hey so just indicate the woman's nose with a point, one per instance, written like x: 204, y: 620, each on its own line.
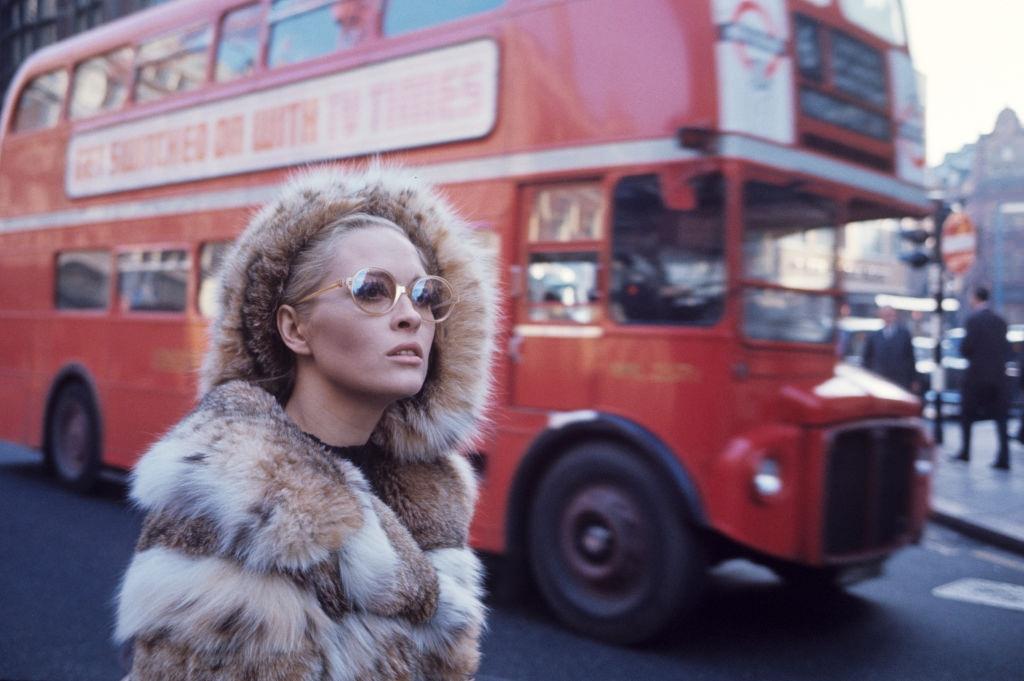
x: 405, y: 315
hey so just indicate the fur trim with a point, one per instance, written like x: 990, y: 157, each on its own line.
x: 240, y: 462
x: 448, y: 411
x: 264, y: 554
x: 210, y: 603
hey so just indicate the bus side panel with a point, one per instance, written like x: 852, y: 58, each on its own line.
x: 149, y: 385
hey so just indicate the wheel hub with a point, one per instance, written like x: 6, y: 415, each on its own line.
x: 603, y: 541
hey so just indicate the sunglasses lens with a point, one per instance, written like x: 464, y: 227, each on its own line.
x: 373, y: 290
x: 433, y: 297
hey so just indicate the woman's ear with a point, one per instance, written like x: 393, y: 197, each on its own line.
x: 292, y: 330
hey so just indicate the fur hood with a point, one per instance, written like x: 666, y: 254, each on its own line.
x: 448, y: 412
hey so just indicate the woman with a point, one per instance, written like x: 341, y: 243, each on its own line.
x: 309, y: 519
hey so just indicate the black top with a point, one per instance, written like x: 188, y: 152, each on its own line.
x: 360, y: 456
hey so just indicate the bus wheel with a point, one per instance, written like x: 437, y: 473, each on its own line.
x: 609, y: 547
x: 72, y: 438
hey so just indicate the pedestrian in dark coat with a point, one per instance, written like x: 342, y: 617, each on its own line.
x: 309, y: 520
x: 985, y: 391
x: 889, y: 351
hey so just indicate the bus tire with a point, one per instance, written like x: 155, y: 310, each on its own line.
x: 609, y: 546
x: 72, y: 449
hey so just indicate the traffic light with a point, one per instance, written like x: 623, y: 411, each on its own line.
x: 926, y: 249
x: 920, y: 255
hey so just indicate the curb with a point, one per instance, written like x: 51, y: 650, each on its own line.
x: 978, y: 531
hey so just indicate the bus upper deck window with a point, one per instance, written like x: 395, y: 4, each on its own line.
x: 41, y: 101
x: 305, y: 29
x: 881, y: 17
x: 172, y: 63
x: 403, y: 16
x: 101, y: 83
x: 239, y: 43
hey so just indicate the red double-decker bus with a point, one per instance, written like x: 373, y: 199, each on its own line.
x: 667, y: 183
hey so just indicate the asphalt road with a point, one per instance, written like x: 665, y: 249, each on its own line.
x: 61, y: 556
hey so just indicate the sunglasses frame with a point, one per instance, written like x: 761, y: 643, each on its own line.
x: 400, y: 290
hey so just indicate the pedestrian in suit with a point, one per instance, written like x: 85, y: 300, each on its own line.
x: 985, y: 391
x: 889, y: 351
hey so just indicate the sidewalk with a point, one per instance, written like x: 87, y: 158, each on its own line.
x: 972, y: 497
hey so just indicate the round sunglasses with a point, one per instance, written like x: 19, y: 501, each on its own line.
x: 376, y: 292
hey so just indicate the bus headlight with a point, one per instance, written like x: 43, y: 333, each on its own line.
x: 768, y: 478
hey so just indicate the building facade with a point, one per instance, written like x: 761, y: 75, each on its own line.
x: 987, y: 179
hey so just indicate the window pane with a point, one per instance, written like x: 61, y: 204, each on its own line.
x: 572, y: 212
x: 101, y: 83
x: 210, y: 258
x: 771, y: 314
x: 668, y: 264
x: 789, y: 237
x: 153, y: 281
x: 239, y: 43
x: 562, y: 287
x: 304, y: 36
x: 881, y: 17
x: 83, y: 280
x: 41, y: 101
x: 402, y: 16
x: 173, y: 63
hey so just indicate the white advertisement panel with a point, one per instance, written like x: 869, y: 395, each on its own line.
x: 755, y: 75
x: 429, y: 98
x: 908, y: 117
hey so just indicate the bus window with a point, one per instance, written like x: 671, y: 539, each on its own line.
x: 40, y: 102
x: 239, y: 43
x: 403, y: 16
x: 83, y: 280
x: 153, y: 281
x: 562, y: 287
x: 172, y: 63
x: 789, y: 242
x: 572, y: 212
x: 305, y: 29
x: 210, y: 257
x: 668, y: 266
x: 881, y: 17
x: 101, y: 83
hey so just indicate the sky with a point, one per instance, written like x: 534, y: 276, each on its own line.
x: 972, y: 55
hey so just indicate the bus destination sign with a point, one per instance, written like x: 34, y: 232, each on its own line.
x: 429, y: 98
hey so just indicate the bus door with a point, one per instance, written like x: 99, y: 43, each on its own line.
x: 557, y: 325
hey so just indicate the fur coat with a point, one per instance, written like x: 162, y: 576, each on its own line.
x: 265, y: 555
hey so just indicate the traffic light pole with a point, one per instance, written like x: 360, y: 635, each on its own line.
x: 940, y: 371
x: 939, y: 214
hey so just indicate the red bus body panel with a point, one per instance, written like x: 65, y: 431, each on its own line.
x: 577, y: 81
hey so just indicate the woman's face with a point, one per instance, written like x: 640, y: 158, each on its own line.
x: 368, y: 357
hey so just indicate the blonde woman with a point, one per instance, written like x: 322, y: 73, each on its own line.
x: 309, y: 519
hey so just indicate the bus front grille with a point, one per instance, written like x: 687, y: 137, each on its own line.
x: 868, y: 489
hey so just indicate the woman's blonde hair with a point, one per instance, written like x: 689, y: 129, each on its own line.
x: 307, y: 271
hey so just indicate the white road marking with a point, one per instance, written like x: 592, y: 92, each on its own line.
x: 939, y: 547
x: 999, y: 559
x: 983, y: 592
